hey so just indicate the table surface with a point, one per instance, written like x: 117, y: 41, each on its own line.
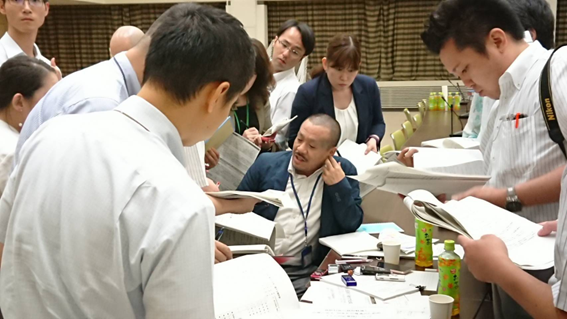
x: 380, y: 206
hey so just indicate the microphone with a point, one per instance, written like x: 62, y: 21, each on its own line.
x: 454, y: 113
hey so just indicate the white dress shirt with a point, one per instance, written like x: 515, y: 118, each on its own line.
x: 8, y: 140
x: 281, y: 100
x: 515, y: 155
x: 9, y: 48
x: 101, y: 87
x: 348, y: 120
x: 291, y: 219
x: 560, y: 288
x: 105, y: 222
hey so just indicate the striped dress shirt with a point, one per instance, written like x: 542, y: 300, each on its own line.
x: 514, y: 155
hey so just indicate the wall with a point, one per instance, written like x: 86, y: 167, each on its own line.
x: 3, y: 25
x: 253, y: 16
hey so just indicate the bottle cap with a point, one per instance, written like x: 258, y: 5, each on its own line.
x: 449, y: 245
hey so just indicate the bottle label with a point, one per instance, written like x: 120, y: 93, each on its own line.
x: 449, y: 278
x: 423, y: 244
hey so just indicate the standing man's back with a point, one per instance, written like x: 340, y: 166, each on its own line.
x: 99, y: 218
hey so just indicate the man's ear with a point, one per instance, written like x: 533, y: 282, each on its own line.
x: 498, y: 38
x: 332, y: 151
x: 46, y: 9
x: 324, y: 63
x: 216, y: 94
x: 3, y: 6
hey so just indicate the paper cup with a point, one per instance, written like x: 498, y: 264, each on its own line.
x: 440, y: 306
x: 391, y: 251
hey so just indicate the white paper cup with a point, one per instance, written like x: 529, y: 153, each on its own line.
x: 440, y: 306
x: 391, y: 251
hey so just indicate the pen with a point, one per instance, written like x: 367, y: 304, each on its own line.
x: 219, y: 233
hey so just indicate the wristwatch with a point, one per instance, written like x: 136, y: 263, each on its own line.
x: 513, y: 203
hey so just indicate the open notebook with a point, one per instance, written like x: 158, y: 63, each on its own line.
x: 474, y: 218
x: 248, y: 229
x: 398, y: 178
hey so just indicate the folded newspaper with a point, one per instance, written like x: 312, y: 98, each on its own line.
x: 274, y: 197
x: 474, y: 218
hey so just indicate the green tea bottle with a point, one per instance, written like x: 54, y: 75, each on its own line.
x: 432, y: 101
x: 449, y: 274
x: 457, y: 101
x: 423, y: 244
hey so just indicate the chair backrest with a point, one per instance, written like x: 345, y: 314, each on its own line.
x: 422, y: 109
x: 399, y: 139
x: 420, y: 104
x: 417, y: 119
x: 409, y: 118
x: 408, y: 128
x: 424, y: 102
x: 385, y: 149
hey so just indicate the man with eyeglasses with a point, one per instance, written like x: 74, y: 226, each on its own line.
x: 294, y: 41
x: 25, y: 17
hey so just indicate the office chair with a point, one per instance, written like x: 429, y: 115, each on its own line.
x: 399, y: 139
x: 408, y: 129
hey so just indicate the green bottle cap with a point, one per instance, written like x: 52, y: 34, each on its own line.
x: 449, y: 245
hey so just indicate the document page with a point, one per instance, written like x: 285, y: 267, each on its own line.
x: 397, y: 178
x: 274, y: 197
x: 450, y: 161
x: 278, y: 126
x: 253, y: 286
x: 453, y: 142
x: 237, y: 154
x: 350, y: 243
x: 525, y: 247
x: 368, y: 285
x: 221, y: 135
x: 355, y: 154
x: 249, y: 223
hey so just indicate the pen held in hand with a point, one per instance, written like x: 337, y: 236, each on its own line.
x: 219, y: 234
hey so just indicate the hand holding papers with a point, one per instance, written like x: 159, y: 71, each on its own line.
x: 473, y: 218
x: 397, y: 178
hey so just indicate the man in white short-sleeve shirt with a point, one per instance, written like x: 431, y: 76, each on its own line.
x: 99, y: 218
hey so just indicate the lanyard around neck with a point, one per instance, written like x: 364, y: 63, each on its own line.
x: 306, y: 213
x: 237, y: 120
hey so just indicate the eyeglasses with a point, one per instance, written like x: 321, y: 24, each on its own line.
x: 32, y: 3
x: 288, y: 47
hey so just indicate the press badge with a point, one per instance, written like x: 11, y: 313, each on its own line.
x: 306, y: 256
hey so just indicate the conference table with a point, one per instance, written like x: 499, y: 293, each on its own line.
x: 380, y: 206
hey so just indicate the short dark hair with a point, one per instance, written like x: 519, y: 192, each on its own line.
x: 536, y: 15
x: 468, y: 23
x: 325, y: 120
x: 259, y: 93
x: 307, y: 35
x: 196, y: 45
x: 21, y: 74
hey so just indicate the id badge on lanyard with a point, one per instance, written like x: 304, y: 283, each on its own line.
x: 307, y: 251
